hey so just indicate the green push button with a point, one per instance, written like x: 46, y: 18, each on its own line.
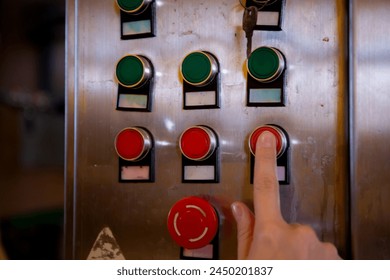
x: 197, y: 68
x: 130, y: 71
x: 265, y: 64
x: 130, y: 5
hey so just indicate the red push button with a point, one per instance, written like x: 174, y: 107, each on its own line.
x: 281, y: 139
x: 133, y: 143
x: 192, y: 222
x: 198, y: 142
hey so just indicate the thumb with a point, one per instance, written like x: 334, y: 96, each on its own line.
x: 245, y: 223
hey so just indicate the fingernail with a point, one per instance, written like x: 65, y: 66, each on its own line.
x: 236, y: 210
x: 266, y: 139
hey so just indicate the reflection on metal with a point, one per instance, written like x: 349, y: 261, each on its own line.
x: 315, y: 116
x: 105, y: 247
x: 370, y: 190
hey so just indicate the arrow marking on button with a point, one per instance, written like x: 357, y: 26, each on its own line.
x: 197, y: 208
x: 175, y: 224
x: 200, y: 236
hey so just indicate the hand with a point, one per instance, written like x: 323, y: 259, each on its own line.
x: 268, y: 235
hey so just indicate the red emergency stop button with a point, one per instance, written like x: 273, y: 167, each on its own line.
x: 192, y: 222
x: 280, y: 135
x: 133, y: 143
x: 198, y: 142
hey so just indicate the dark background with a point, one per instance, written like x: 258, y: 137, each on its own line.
x: 32, y: 98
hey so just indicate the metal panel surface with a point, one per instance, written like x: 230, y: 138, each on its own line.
x: 315, y: 118
x: 370, y: 190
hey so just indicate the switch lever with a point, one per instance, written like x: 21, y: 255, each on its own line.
x: 249, y: 22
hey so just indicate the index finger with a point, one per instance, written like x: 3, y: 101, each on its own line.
x: 265, y: 184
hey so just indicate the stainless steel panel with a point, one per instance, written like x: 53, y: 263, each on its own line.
x: 370, y: 190
x: 315, y: 117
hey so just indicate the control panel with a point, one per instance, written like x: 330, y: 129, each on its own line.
x: 266, y: 77
x: 137, y: 18
x: 282, y: 153
x: 134, y: 74
x: 166, y: 100
x: 201, y: 81
x: 193, y: 224
x: 199, y: 147
x: 134, y: 146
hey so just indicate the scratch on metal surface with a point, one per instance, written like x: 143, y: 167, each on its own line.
x: 325, y: 161
x: 319, y: 165
x: 189, y: 33
x: 106, y: 247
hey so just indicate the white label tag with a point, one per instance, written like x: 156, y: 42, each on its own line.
x: 281, y: 172
x: 135, y: 173
x: 136, y: 27
x: 268, y: 18
x: 205, y: 252
x: 135, y: 101
x: 265, y: 95
x: 199, y: 172
x: 201, y: 98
